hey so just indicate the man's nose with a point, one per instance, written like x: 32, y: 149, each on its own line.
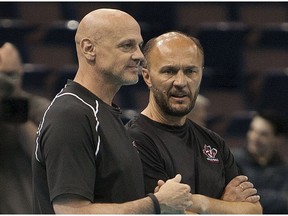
x: 254, y: 136
x: 180, y: 79
x: 138, y: 55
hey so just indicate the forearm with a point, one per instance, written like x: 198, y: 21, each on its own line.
x: 206, y: 205
x: 141, y: 206
x: 172, y: 197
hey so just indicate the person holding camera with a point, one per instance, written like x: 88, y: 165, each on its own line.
x: 20, y: 114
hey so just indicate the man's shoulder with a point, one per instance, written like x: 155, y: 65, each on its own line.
x: 201, y: 131
x: 142, y: 129
x: 67, y: 105
x: 135, y: 123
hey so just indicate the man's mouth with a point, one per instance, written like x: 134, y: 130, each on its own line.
x: 133, y: 67
x: 182, y: 95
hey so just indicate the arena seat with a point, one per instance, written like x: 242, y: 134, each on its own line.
x: 239, y: 124
x: 274, y: 35
x: 36, y: 78
x: 223, y: 48
x: 60, y: 32
x: 274, y: 91
x: 16, y: 31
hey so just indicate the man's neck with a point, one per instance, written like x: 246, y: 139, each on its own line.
x: 158, y: 116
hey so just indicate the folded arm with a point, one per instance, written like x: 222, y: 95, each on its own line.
x: 206, y: 205
x: 74, y: 204
x: 239, y: 197
x: 173, y: 197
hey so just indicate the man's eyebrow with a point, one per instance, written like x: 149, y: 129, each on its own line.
x: 128, y: 41
x: 132, y: 41
x: 174, y: 67
x: 191, y: 67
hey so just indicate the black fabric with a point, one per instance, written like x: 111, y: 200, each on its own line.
x: 198, y: 154
x: 84, y: 149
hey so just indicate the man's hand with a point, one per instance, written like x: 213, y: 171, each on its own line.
x: 240, y: 189
x: 173, y: 196
x: 160, y: 183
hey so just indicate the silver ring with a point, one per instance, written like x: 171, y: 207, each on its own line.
x: 241, y: 186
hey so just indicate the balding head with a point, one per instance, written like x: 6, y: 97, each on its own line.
x: 170, y: 39
x: 108, y: 43
x: 103, y: 24
x: 173, y: 73
x: 98, y: 23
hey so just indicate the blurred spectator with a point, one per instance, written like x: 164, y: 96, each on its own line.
x: 262, y: 163
x: 20, y: 114
x: 199, y: 113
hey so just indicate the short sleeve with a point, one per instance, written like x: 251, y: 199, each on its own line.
x: 69, y: 152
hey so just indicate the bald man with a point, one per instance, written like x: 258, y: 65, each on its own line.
x: 84, y: 160
x: 168, y: 142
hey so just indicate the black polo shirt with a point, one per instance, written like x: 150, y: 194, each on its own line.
x: 198, y: 154
x: 82, y: 148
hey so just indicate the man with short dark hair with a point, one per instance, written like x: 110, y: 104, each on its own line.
x: 168, y: 142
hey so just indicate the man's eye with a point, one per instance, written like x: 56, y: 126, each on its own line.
x: 191, y: 70
x: 127, y: 46
x: 168, y: 71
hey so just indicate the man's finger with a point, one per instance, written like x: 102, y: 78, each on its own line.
x: 177, y: 178
x: 238, y: 180
x: 253, y: 199
x: 160, y: 183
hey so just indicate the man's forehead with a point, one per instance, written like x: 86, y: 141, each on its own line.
x: 171, y: 37
x: 171, y: 44
x: 107, y: 23
x: 175, y: 48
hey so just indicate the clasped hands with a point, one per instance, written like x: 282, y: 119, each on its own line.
x: 239, y: 189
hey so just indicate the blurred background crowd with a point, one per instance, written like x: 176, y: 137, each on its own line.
x: 245, y: 45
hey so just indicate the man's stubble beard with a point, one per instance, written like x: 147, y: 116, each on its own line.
x: 162, y: 101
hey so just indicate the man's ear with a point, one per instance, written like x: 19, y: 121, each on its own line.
x: 88, y: 49
x: 146, y: 77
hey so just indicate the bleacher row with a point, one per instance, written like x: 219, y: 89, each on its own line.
x: 245, y: 44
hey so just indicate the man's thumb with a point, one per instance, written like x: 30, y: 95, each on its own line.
x: 177, y: 178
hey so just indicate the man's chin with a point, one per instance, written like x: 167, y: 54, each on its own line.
x: 131, y: 81
x: 179, y: 112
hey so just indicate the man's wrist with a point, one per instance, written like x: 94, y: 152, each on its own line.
x: 156, y: 204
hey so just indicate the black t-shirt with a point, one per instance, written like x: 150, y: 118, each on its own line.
x: 198, y: 154
x: 82, y: 148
